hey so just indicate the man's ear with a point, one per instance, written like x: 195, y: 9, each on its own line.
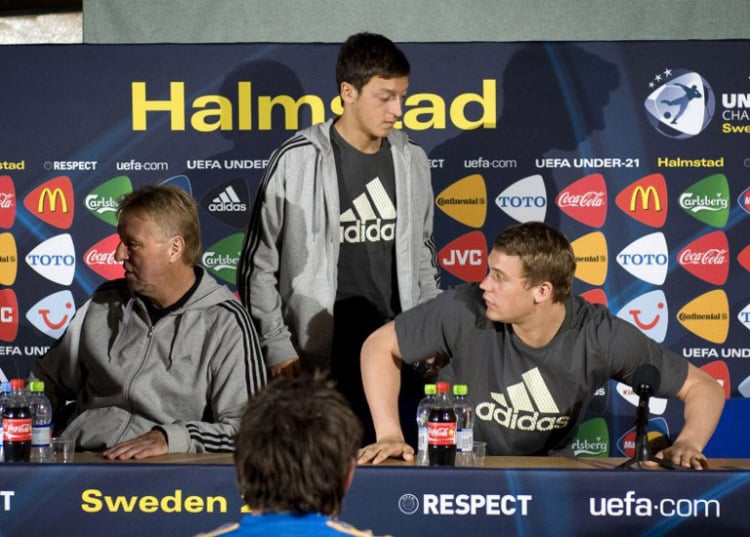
x: 176, y: 247
x: 544, y: 292
x: 348, y: 93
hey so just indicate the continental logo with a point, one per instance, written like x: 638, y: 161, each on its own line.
x: 466, y: 257
x: 242, y: 111
x: 7, y: 202
x: 645, y: 200
x: 465, y: 201
x: 591, y: 256
x: 52, y: 202
x: 649, y: 313
x: 8, y: 259
x: 707, y: 316
x: 585, y: 200
x: 708, y: 200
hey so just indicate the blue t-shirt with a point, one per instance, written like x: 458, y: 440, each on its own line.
x: 287, y: 525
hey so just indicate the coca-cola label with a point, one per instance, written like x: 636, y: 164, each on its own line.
x: 585, y: 200
x: 101, y: 258
x: 441, y: 433
x: 17, y: 429
x: 707, y: 258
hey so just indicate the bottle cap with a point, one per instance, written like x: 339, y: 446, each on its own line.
x: 443, y: 387
x: 460, y: 389
x: 36, y: 386
x: 17, y: 384
x: 5, y: 386
x: 430, y: 389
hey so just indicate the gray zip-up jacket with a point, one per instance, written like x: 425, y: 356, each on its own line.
x: 287, y: 274
x: 190, y: 374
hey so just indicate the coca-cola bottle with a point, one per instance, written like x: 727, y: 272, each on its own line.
x: 4, y: 396
x: 17, y: 424
x: 441, y: 429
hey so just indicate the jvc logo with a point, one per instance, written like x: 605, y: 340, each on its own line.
x: 466, y: 257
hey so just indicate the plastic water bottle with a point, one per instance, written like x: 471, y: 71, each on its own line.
x: 41, y: 423
x: 465, y: 426
x: 17, y: 424
x: 441, y: 428
x: 4, y: 396
x: 423, y: 414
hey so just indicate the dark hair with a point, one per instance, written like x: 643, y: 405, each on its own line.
x: 295, y: 448
x: 365, y: 55
x: 545, y: 253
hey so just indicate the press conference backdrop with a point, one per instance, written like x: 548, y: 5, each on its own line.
x: 637, y: 151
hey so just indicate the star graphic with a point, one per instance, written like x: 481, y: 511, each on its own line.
x: 667, y: 72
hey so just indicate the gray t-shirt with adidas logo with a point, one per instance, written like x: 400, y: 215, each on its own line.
x: 529, y: 401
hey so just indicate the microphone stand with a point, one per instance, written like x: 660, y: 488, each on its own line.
x: 642, y: 449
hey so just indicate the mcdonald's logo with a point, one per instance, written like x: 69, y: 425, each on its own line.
x: 53, y: 202
x: 644, y: 194
x: 645, y: 200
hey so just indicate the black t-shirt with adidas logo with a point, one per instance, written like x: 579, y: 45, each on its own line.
x: 530, y: 401
x: 367, y: 196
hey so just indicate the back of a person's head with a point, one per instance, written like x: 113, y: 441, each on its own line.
x: 297, y: 442
x: 366, y: 55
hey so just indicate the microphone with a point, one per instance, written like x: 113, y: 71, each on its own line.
x: 646, y: 381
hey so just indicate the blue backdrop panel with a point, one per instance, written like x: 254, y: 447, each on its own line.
x: 636, y: 150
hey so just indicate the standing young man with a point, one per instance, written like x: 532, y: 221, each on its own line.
x: 340, y: 239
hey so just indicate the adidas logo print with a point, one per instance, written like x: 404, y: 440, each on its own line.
x: 227, y: 200
x: 372, y: 219
x: 529, y: 406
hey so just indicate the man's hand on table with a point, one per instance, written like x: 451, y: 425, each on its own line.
x: 151, y: 444
x: 385, y: 448
x: 683, y: 454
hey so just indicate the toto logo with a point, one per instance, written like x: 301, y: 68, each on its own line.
x: 408, y: 504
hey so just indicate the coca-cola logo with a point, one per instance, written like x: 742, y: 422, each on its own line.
x: 17, y: 430
x: 6, y: 200
x: 101, y: 258
x: 707, y: 258
x: 95, y: 257
x: 587, y: 199
x: 712, y: 256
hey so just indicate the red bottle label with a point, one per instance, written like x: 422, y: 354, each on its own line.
x: 441, y: 433
x: 17, y: 430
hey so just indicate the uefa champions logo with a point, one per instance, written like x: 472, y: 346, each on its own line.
x: 681, y: 104
x: 408, y: 504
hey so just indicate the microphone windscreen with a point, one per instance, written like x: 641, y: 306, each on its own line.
x: 646, y: 378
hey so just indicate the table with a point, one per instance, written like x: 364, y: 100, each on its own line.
x: 182, y: 494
